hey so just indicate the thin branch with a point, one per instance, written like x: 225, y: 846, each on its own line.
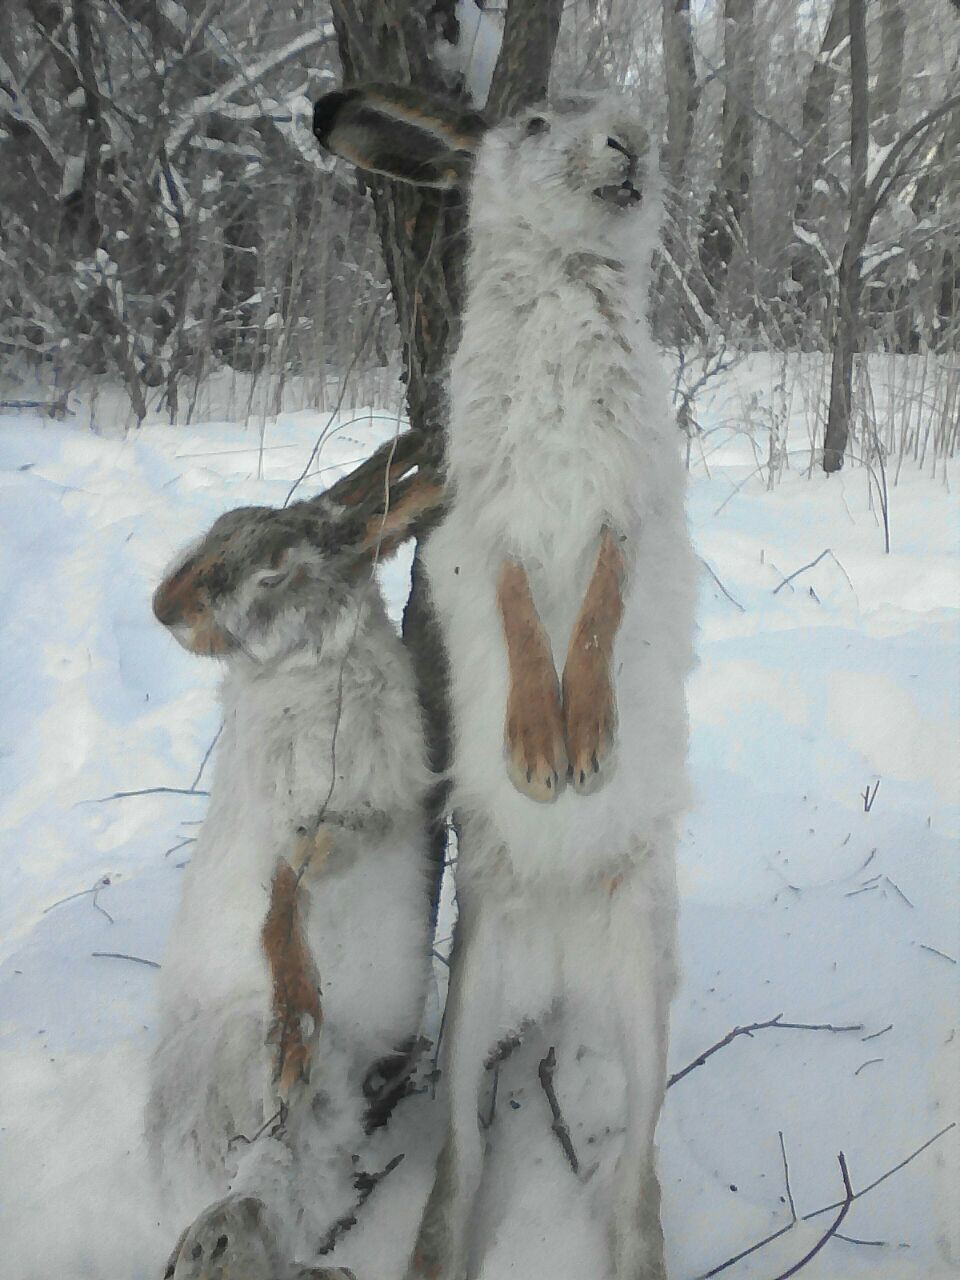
x: 121, y: 955
x: 828, y: 1208
x: 831, y: 1231
x: 546, y: 1072
x: 889, y: 172
x: 103, y: 883
x: 786, y: 1176
x: 802, y: 569
x: 869, y: 1062
x: 246, y: 79
x: 207, y: 755
x: 148, y: 791
x: 933, y: 951
x: 884, y: 1176
x: 366, y: 1184
x: 344, y: 383
x: 175, y: 848
x: 721, y: 586
x: 776, y: 1022
x: 876, y: 1034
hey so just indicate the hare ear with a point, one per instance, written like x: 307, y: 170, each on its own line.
x: 400, y: 132
x: 410, y: 501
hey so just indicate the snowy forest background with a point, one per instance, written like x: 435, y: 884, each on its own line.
x: 167, y: 214
x: 199, y: 310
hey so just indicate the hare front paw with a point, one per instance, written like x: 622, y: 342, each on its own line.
x: 233, y: 1239
x: 533, y: 738
x: 590, y: 718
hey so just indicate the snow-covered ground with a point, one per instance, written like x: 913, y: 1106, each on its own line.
x: 799, y: 896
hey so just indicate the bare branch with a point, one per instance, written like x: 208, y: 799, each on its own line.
x: 121, y: 955
x: 812, y: 1253
x: 786, y: 1176
x: 148, y: 791
x: 247, y: 78
x: 546, y: 1072
x: 748, y: 1031
x: 206, y: 757
x: 828, y: 1208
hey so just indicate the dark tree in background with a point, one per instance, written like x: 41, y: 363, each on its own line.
x: 423, y: 239
x: 165, y: 214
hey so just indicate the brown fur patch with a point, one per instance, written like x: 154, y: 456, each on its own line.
x: 589, y: 702
x: 409, y: 502
x: 297, y: 1012
x: 533, y: 728
x: 179, y: 602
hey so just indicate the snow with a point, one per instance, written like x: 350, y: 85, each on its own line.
x: 796, y: 897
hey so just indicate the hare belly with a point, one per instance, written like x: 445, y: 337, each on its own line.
x: 367, y: 929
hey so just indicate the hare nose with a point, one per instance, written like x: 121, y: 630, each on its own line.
x: 173, y: 598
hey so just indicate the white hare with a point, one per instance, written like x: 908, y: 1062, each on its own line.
x: 566, y: 539
x: 299, y: 954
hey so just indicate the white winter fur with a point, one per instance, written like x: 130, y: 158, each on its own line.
x: 561, y: 424
x: 320, y: 713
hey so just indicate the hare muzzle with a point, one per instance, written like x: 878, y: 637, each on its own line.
x: 179, y: 604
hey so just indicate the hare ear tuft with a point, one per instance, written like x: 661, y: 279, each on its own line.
x: 400, y: 132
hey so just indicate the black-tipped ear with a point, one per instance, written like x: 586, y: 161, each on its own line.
x: 411, y: 501
x: 400, y: 132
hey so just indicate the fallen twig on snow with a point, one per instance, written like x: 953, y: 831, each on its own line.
x: 877, y: 1034
x: 103, y: 883
x: 869, y: 1062
x: 122, y: 955
x: 748, y: 1031
x: 813, y: 563
x: 831, y: 1231
x: 786, y: 1176
x: 546, y: 1071
x: 366, y: 1184
x: 933, y: 951
x: 148, y: 791
x: 721, y: 586
x: 827, y: 1208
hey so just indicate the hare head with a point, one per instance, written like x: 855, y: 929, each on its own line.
x: 265, y: 581
x: 586, y: 158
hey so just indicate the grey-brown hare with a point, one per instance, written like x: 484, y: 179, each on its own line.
x: 299, y: 956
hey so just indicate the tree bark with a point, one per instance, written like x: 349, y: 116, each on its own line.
x: 423, y: 236
x: 885, y: 100
x: 725, y: 220
x: 847, y: 336
x: 807, y: 267
x: 683, y: 92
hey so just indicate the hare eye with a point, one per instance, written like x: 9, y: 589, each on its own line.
x: 537, y: 125
x: 271, y: 579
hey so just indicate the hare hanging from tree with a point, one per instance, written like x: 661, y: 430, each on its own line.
x: 566, y: 539
x: 299, y: 955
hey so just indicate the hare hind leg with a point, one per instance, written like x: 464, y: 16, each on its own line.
x: 642, y: 967
x: 533, y: 729
x: 442, y: 1248
x: 589, y: 702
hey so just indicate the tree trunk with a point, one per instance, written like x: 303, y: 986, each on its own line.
x: 847, y: 336
x: 683, y: 101
x: 885, y: 100
x: 807, y: 268
x: 725, y: 220
x: 423, y: 235
x: 683, y: 92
